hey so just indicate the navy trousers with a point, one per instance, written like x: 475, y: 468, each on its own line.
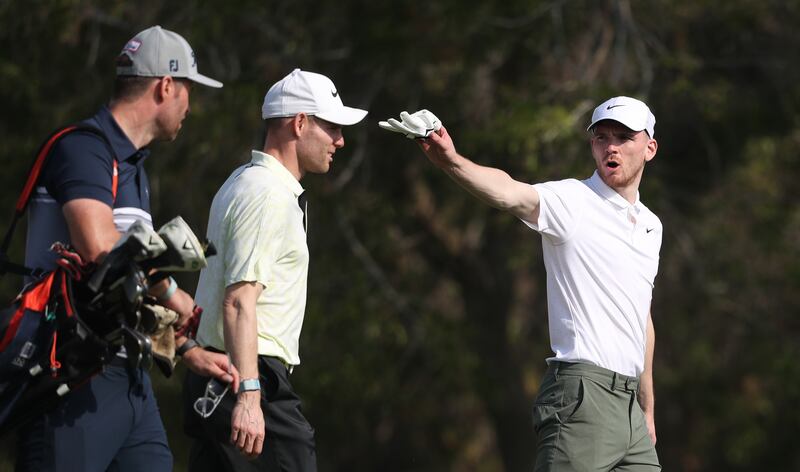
x: 111, y: 424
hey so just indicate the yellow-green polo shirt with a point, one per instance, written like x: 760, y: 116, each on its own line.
x: 256, y: 224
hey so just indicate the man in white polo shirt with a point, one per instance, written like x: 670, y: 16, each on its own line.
x: 254, y: 291
x: 595, y: 408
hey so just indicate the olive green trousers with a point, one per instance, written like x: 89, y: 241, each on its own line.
x: 588, y: 419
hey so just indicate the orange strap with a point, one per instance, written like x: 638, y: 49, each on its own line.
x: 54, y: 363
x: 114, y: 181
x: 35, y: 299
x: 33, y: 176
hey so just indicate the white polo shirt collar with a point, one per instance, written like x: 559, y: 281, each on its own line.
x: 268, y: 161
x: 611, y: 195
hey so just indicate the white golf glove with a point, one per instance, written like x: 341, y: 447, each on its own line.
x: 417, y: 125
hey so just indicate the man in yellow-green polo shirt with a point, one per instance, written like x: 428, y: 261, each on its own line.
x: 254, y: 290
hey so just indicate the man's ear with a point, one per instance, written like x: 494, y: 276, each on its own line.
x: 652, y: 148
x: 164, y: 88
x: 300, y: 123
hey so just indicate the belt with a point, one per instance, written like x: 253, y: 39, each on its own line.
x: 609, y: 378
x: 289, y: 367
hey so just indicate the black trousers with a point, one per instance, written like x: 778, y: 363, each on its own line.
x: 289, y: 440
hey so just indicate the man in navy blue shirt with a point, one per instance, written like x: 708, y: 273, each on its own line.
x: 113, y: 423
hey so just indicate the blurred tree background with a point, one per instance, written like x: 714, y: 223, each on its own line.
x: 425, y: 336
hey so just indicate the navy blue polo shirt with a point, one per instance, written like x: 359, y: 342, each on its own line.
x: 81, y: 166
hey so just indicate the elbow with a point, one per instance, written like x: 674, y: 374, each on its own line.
x: 231, y: 308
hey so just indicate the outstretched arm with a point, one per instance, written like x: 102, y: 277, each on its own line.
x: 647, y: 399
x: 492, y: 186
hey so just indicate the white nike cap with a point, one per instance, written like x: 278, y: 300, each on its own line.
x: 630, y: 112
x: 309, y: 93
x: 156, y: 52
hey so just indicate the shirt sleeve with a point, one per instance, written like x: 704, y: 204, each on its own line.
x: 80, y: 166
x: 255, y: 230
x: 560, y: 209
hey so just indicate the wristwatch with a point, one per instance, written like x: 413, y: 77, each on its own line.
x: 183, y: 348
x: 249, y: 385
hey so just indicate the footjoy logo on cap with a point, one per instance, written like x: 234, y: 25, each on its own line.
x: 132, y: 46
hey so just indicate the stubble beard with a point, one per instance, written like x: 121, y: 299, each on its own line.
x: 622, y: 180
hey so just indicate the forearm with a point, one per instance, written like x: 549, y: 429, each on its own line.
x: 241, y: 335
x: 494, y: 187
x: 646, y: 391
x: 647, y: 398
x: 178, y: 301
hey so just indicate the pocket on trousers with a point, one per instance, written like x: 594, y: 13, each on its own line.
x: 557, y: 402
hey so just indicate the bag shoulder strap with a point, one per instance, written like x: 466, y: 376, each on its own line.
x: 35, y: 172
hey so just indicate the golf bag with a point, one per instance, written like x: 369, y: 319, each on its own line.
x: 67, y: 325
x: 46, y: 349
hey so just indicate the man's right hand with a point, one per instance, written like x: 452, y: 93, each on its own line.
x: 439, y: 148
x: 247, y: 424
x: 212, y: 364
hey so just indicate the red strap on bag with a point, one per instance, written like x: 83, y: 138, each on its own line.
x: 35, y: 299
x: 30, y: 184
x: 36, y: 169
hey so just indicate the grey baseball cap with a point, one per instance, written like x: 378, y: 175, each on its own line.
x: 156, y: 52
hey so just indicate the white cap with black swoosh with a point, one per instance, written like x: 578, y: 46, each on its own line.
x: 310, y: 93
x: 632, y: 113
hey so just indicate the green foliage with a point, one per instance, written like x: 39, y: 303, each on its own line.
x: 426, y: 327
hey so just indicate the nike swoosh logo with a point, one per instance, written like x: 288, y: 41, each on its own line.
x: 650, y: 229
x: 613, y: 106
x: 334, y: 93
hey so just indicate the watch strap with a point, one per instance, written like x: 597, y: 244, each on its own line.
x: 249, y: 385
x: 188, y: 344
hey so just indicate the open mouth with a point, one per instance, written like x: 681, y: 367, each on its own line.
x: 612, y: 164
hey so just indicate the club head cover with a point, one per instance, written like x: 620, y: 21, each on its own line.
x: 138, y: 244
x: 142, y: 241
x: 184, y: 251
